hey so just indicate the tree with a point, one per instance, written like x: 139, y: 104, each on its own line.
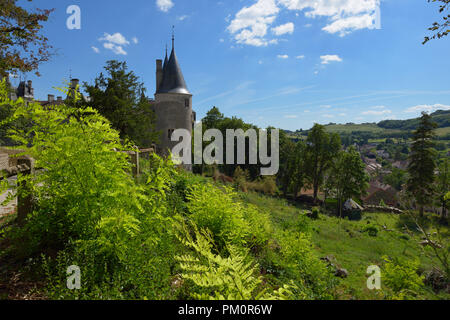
x: 396, y: 179
x: 120, y: 97
x: 22, y: 45
x: 422, y: 163
x: 347, y: 176
x: 443, y: 185
x: 213, y: 119
x: 321, y: 148
x: 441, y: 29
x: 299, y: 172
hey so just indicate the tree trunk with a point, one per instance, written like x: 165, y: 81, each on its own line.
x: 316, y: 190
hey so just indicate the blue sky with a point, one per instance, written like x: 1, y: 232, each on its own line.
x: 285, y: 63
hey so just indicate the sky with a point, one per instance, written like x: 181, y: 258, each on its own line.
x: 282, y: 63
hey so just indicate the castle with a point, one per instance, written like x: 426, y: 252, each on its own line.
x: 173, y: 101
x: 172, y: 104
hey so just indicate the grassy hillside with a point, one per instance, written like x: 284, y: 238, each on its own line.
x: 354, y: 249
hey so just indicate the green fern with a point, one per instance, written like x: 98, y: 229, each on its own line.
x: 219, y: 278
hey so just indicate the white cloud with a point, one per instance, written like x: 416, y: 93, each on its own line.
x: 330, y: 58
x: 164, y: 5
x: 326, y: 107
x: 96, y: 50
x: 377, y: 113
x: 115, y: 42
x: 427, y: 108
x: 291, y: 116
x: 135, y: 40
x: 300, y: 57
x: 282, y: 56
x: 116, y: 38
x: 182, y: 18
x: 345, y: 26
x: 287, y: 28
x: 115, y: 48
x: 250, y: 24
x: 329, y: 116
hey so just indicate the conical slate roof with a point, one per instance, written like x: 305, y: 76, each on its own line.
x: 173, y: 80
x: 166, y: 61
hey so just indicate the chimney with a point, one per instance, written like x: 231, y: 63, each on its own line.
x: 51, y: 98
x: 159, y: 74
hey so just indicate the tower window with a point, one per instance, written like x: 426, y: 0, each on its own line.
x: 186, y: 103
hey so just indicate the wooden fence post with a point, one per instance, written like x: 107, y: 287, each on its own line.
x: 135, y: 162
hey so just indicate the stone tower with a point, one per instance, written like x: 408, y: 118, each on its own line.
x: 173, y: 102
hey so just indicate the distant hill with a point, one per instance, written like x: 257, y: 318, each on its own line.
x: 386, y: 127
x: 442, y: 118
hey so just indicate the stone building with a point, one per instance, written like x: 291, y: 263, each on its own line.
x: 173, y: 102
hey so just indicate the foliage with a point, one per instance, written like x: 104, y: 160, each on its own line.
x: 304, y: 265
x: 442, y: 187
x: 422, y: 163
x: 321, y: 148
x: 397, y: 178
x: 120, y: 97
x: 400, y: 275
x: 371, y: 230
x: 441, y: 29
x: 347, y: 177
x: 315, y: 213
x: 219, y: 278
x: 22, y: 45
x: 227, y: 219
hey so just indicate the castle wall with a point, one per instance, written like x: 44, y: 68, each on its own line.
x: 172, y: 112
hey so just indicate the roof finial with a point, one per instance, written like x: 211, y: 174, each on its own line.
x: 173, y: 37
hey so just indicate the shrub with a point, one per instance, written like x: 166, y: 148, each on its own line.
x: 371, y: 230
x: 314, y: 213
x: 305, y: 266
x: 218, y: 278
x: 215, y: 209
x: 400, y: 275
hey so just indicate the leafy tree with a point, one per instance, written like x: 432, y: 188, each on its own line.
x: 213, y: 119
x: 443, y: 185
x: 348, y: 176
x: 441, y: 29
x: 22, y: 45
x: 321, y: 149
x: 422, y: 163
x: 396, y: 179
x: 120, y: 97
x: 299, y: 172
x: 286, y: 162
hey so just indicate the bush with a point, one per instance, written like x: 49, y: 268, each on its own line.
x: 215, y: 210
x: 314, y: 213
x: 217, y: 278
x: 305, y: 266
x: 371, y: 230
x: 400, y: 275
